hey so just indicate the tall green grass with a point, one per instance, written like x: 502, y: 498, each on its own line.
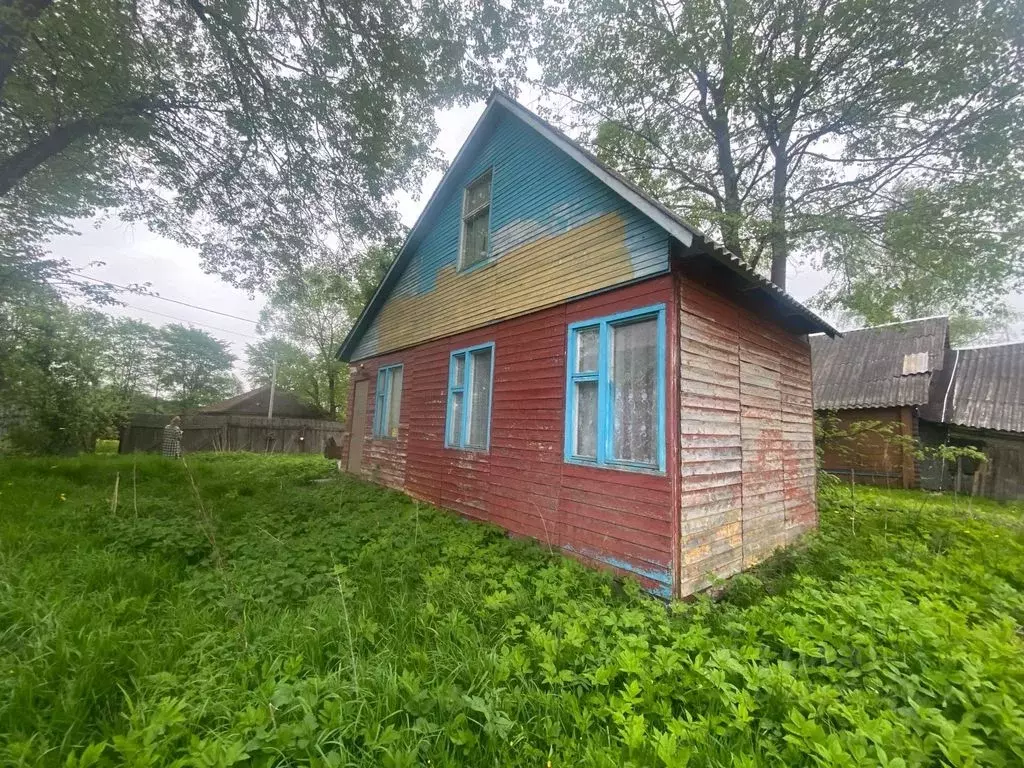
x: 233, y: 611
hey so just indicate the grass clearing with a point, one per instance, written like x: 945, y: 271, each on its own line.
x: 249, y: 615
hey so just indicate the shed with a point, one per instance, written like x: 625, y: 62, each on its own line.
x: 556, y: 352
x: 905, y: 378
x: 880, y: 375
x: 978, y: 399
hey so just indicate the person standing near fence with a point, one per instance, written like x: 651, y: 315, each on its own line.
x: 172, y: 439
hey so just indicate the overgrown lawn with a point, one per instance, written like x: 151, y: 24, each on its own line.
x: 246, y: 614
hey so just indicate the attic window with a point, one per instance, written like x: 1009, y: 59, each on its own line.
x: 476, y: 221
x: 915, y: 362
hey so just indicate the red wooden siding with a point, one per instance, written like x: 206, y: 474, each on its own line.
x: 620, y: 519
x: 746, y: 442
x: 383, y: 458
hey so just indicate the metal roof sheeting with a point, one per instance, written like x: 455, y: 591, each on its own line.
x: 981, y: 387
x: 865, y: 368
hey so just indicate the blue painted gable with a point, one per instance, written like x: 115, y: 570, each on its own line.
x: 556, y: 232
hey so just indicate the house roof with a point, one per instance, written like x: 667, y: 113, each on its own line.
x: 695, y: 245
x: 256, y: 401
x: 881, y: 366
x: 980, y: 387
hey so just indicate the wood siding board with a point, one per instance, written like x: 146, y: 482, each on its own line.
x: 556, y: 233
x: 746, y: 435
x: 620, y: 519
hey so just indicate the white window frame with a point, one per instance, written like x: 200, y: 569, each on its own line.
x: 465, y: 215
x: 382, y: 401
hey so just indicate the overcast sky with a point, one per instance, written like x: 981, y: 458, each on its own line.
x: 133, y: 254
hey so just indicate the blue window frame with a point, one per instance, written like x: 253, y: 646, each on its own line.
x: 387, y: 401
x: 470, y: 386
x: 615, y: 391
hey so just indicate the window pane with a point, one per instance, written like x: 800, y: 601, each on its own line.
x: 474, y: 239
x: 634, y: 384
x: 395, y: 403
x: 586, y: 419
x: 455, y: 420
x: 478, y: 193
x: 378, y: 411
x: 480, y: 406
x: 586, y: 349
x: 458, y: 372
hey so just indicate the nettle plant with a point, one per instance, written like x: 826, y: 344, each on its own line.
x: 845, y: 441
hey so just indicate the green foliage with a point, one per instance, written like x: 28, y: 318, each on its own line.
x: 289, y: 622
x: 297, y: 370
x: 261, y: 133
x: 129, y: 356
x: 880, y: 139
x: 50, y: 377
x: 193, y: 366
x: 939, y: 250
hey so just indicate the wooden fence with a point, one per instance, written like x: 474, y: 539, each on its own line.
x: 222, y: 432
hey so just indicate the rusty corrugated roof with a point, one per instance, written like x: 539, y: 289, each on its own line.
x: 865, y: 368
x: 980, y: 387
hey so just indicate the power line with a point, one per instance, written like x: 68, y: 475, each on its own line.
x: 191, y: 322
x: 162, y: 298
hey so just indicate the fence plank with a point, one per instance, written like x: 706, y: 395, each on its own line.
x: 229, y: 432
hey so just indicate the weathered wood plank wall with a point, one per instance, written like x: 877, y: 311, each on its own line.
x: 746, y: 436
x: 870, y: 456
x: 222, y: 432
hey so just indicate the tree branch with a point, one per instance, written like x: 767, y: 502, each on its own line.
x: 27, y: 159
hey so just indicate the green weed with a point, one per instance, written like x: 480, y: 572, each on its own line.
x: 259, y: 618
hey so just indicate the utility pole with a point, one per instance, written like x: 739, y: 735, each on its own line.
x: 273, y: 387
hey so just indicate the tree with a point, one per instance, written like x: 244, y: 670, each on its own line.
x: 312, y: 310
x: 128, y: 356
x: 50, y: 379
x: 258, y: 132
x: 937, y: 253
x: 790, y: 126
x: 193, y: 365
x: 367, y: 272
x: 298, y: 371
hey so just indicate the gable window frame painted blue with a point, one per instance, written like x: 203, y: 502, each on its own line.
x: 466, y: 388
x: 382, y: 400
x: 460, y: 262
x: 602, y: 375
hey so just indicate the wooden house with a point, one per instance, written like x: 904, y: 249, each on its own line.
x: 977, y: 399
x: 256, y: 402
x: 555, y: 352
x: 880, y: 375
x: 914, y: 391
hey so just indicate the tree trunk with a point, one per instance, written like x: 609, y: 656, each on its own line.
x: 15, y: 18
x: 731, y: 224
x: 777, y: 236
x: 331, y: 401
